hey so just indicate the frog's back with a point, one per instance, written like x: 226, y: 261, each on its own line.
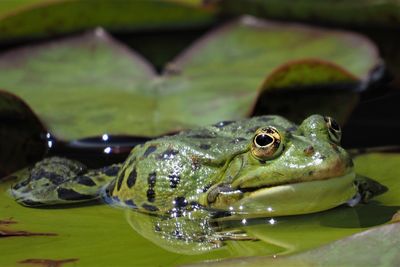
x: 173, y: 171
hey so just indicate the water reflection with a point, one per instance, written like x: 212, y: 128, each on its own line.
x: 191, y: 233
x: 201, y: 231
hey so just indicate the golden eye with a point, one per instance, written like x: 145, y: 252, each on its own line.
x: 266, y: 143
x: 335, y: 133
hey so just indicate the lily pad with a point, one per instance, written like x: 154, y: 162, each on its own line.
x: 99, y: 235
x: 90, y: 84
x: 22, y: 135
x: 375, y: 247
x: 310, y: 85
x: 384, y: 13
x: 39, y: 18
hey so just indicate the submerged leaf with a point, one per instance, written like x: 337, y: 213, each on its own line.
x: 90, y: 84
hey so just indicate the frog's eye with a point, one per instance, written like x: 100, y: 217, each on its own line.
x: 335, y: 133
x: 266, y: 143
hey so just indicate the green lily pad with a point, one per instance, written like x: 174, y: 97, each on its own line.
x: 317, y: 72
x: 384, y: 13
x: 39, y: 18
x: 310, y: 86
x: 90, y: 84
x: 100, y: 235
x: 374, y: 247
x: 21, y: 135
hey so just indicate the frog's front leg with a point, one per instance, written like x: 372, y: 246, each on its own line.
x: 220, y: 196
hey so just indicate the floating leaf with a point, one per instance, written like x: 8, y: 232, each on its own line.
x: 311, y: 84
x: 376, y: 247
x: 39, y: 18
x: 90, y: 84
x: 305, y: 73
x: 21, y: 135
x: 361, y: 13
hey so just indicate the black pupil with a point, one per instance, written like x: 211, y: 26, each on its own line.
x: 335, y: 126
x: 263, y: 140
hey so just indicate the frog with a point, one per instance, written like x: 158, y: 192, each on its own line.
x: 255, y: 167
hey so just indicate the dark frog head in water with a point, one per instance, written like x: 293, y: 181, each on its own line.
x: 263, y: 166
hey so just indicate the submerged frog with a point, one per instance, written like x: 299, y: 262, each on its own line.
x: 263, y: 166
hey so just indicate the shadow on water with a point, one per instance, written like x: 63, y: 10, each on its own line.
x: 365, y: 215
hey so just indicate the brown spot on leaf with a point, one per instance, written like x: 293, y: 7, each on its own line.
x: 6, y: 232
x: 47, y: 262
x: 16, y: 233
x: 7, y: 221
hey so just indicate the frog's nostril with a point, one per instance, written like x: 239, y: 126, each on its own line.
x: 308, y: 151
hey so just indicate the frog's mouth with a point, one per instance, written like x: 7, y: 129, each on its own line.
x: 289, y: 199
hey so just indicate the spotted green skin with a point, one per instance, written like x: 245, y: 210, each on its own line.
x: 205, y: 168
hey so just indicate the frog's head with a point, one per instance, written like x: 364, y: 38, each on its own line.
x: 287, y: 171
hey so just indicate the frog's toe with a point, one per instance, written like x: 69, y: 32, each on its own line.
x: 234, y: 235
x: 354, y: 200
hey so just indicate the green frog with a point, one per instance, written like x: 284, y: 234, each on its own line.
x: 257, y: 167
